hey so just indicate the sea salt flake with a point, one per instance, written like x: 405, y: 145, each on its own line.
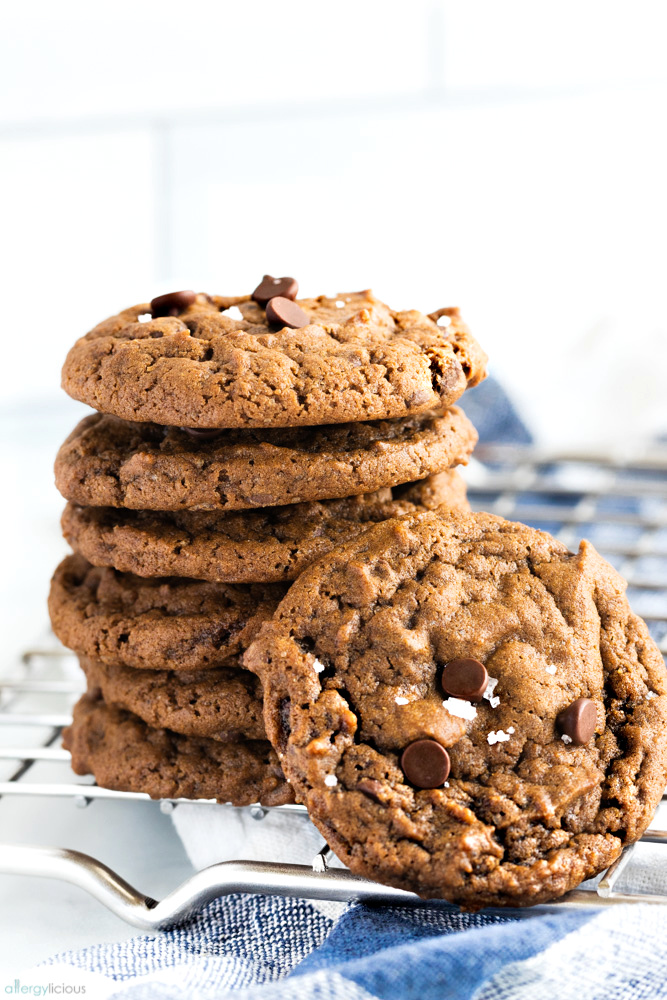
x: 331, y: 780
x: 551, y: 669
x: 318, y: 666
x: 497, y: 737
x: 460, y: 708
x: 651, y: 694
x: 340, y: 304
x: 445, y: 321
x: 566, y: 739
x: 488, y: 694
x: 144, y: 318
x: 400, y: 700
x: 233, y: 312
x: 446, y: 784
x: 511, y: 729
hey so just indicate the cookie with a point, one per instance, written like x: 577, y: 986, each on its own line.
x: 223, y: 704
x: 269, y: 544
x: 155, y: 624
x: 505, y: 779
x: 107, y: 462
x: 125, y: 754
x: 355, y: 360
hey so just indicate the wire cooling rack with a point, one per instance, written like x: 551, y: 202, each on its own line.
x: 620, y: 505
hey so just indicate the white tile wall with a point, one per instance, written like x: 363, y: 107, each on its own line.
x: 507, y: 157
x: 78, y: 237
x: 79, y: 59
x: 541, y: 218
x: 521, y: 46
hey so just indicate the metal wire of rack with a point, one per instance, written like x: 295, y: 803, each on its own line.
x: 620, y: 505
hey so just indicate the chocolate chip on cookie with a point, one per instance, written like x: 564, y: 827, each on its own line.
x: 464, y: 678
x: 172, y: 304
x: 269, y: 287
x: 353, y: 359
x: 371, y: 788
x: 425, y: 764
x: 578, y: 721
x: 281, y: 312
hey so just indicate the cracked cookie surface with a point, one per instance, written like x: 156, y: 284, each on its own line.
x: 201, y: 368
x: 352, y: 666
x: 155, y: 624
x: 106, y: 462
x: 125, y: 754
x: 269, y: 544
x: 223, y: 704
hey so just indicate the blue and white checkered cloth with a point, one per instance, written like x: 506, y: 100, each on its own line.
x: 285, y: 949
x: 288, y: 949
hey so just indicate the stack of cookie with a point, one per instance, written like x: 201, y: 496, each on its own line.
x: 236, y: 441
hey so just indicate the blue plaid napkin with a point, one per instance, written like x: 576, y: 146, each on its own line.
x: 289, y: 949
x: 285, y: 949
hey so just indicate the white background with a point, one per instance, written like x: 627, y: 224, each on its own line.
x: 506, y: 157
x: 509, y: 158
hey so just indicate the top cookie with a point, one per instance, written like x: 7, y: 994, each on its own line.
x: 467, y: 709
x: 196, y: 366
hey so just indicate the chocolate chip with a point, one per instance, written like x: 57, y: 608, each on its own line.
x: 425, y: 764
x: 269, y: 287
x: 464, y: 678
x: 202, y: 433
x: 371, y: 788
x: 419, y: 398
x: 283, y: 312
x: 578, y: 721
x: 172, y: 303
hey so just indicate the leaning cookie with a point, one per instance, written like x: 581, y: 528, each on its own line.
x: 224, y: 704
x: 156, y: 624
x: 467, y: 709
x: 125, y: 754
x: 351, y: 358
x: 107, y: 462
x: 265, y: 545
